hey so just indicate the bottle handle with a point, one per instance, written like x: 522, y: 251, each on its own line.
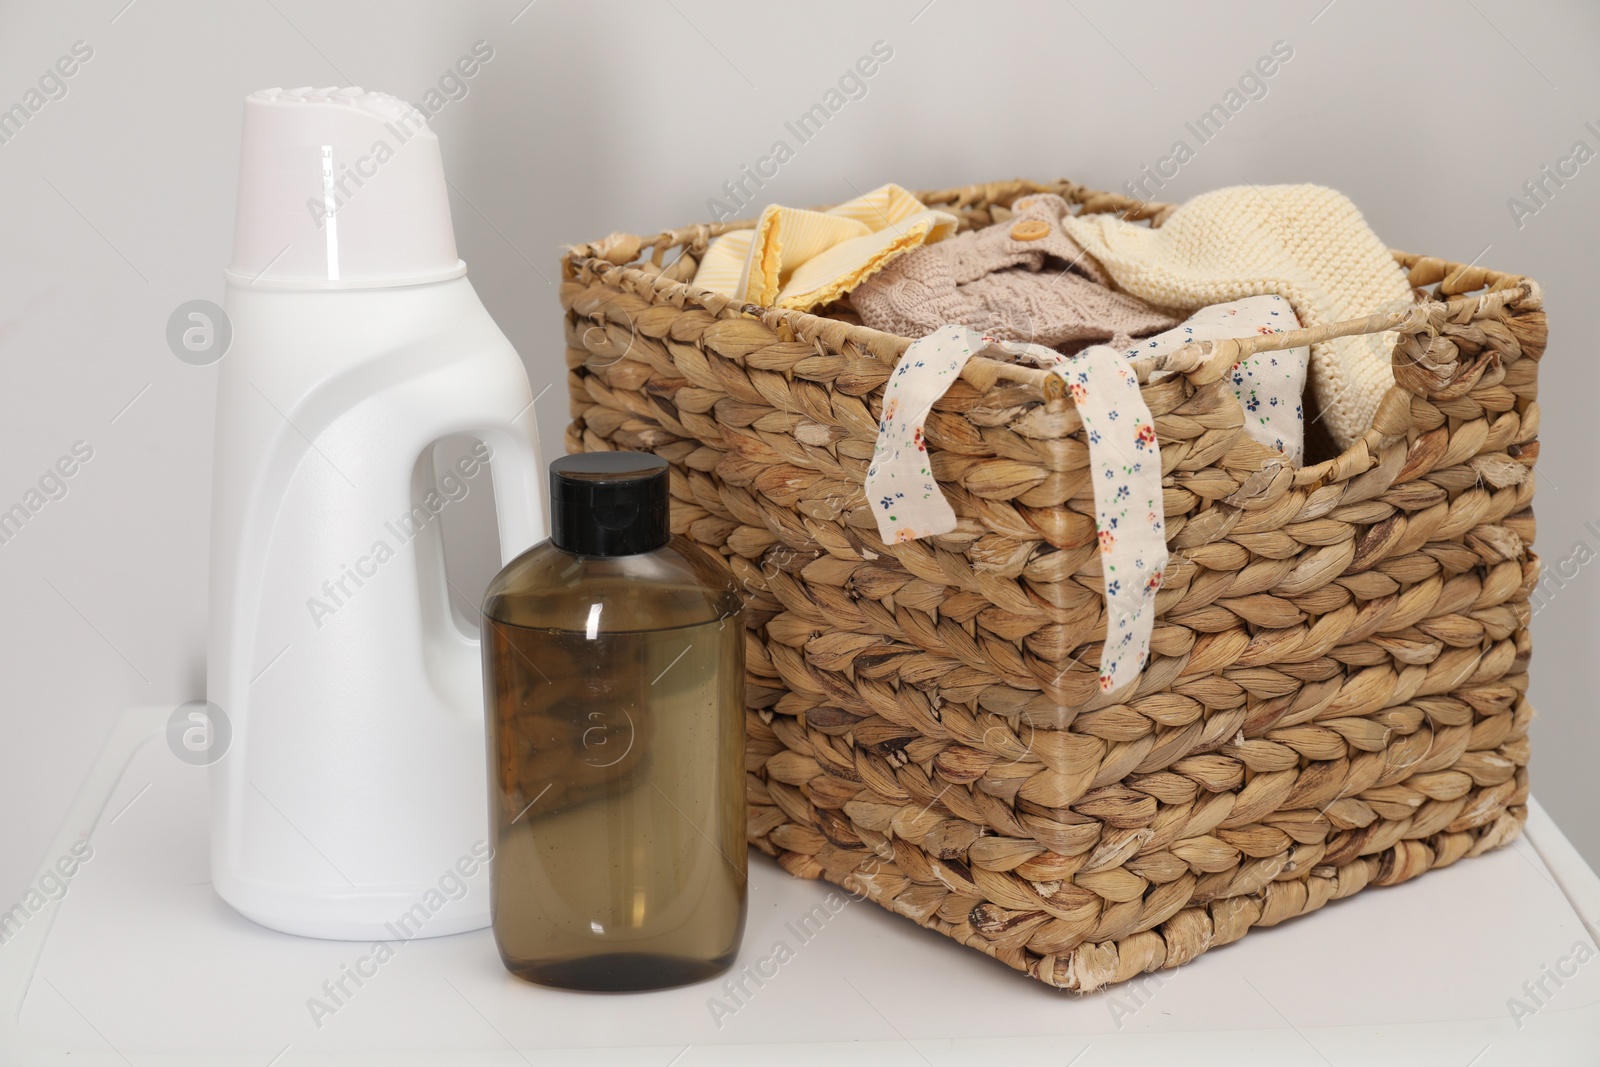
x: 451, y: 654
x: 519, y: 505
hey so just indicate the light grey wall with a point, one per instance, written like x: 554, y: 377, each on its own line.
x: 591, y: 117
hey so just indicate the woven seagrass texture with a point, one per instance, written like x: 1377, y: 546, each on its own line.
x: 1336, y: 692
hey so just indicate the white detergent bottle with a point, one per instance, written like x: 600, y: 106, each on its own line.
x: 349, y: 802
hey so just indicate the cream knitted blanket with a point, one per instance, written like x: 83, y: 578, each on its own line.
x: 1306, y: 243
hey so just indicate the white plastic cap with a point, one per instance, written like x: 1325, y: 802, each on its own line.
x: 339, y: 189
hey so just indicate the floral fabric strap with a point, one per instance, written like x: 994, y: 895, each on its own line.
x: 1124, y: 460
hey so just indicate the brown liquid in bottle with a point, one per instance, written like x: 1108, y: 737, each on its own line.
x: 619, y: 844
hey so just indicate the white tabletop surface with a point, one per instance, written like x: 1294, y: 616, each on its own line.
x: 138, y: 962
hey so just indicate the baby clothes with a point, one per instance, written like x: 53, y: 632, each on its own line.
x: 1270, y: 385
x: 1018, y: 280
x: 1124, y: 459
x: 1306, y: 243
x: 802, y: 259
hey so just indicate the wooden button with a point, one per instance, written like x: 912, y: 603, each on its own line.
x: 1029, y: 230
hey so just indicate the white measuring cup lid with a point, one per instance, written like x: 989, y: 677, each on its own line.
x: 339, y: 189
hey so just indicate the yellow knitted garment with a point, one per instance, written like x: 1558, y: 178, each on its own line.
x: 801, y: 259
x: 1306, y: 243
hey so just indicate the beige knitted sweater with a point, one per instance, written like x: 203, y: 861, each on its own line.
x: 1306, y: 243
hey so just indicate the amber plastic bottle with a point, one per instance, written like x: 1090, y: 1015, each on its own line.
x: 614, y: 675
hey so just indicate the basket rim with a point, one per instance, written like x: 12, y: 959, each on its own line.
x: 622, y: 250
x: 616, y: 258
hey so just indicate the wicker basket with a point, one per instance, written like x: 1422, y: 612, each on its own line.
x: 1336, y: 694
